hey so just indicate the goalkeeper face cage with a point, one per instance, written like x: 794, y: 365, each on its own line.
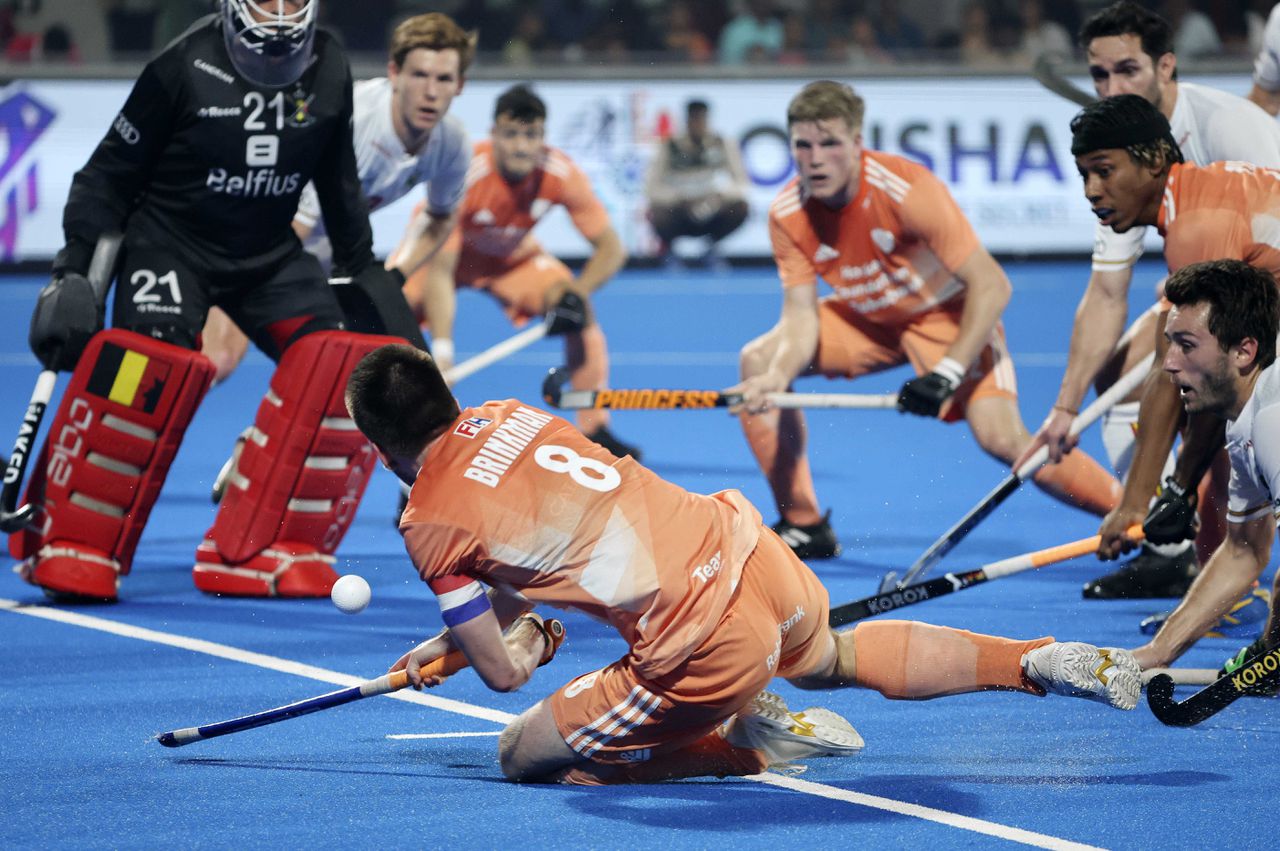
x: 269, y: 41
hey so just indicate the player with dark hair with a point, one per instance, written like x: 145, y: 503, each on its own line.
x: 515, y: 179
x: 911, y: 284
x: 1222, y: 330
x: 1130, y: 51
x: 696, y: 185
x: 202, y: 171
x: 1134, y: 176
x: 712, y: 605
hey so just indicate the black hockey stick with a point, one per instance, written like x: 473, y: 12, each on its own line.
x: 1046, y: 73
x: 950, y: 583
x: 1261, y: 670
x: 12, y: 517
x: 989, y: 503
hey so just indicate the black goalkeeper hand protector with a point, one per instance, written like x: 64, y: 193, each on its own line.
x: 926, y: 394
x: 373, y: 302
x: 67, y: 315
x: 1173, y: 516
x: 570, y: 313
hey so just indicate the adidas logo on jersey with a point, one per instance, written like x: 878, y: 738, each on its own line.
x: 483, y: 217
x: 824, y: 253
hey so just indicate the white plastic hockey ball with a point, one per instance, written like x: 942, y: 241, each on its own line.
x: 351, y: 594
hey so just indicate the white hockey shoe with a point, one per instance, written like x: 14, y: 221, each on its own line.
x: 1075, y: 669
x: 768, y: 725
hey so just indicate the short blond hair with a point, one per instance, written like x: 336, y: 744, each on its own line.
x: 433, y: 31
x: 825, y: 100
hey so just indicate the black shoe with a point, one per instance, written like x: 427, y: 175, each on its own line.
x: 1147, y: 575
x: 1235, y: 662
x: 810, y: 542
x: 606, y: 438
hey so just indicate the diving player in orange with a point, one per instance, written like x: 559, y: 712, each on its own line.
x: 910, y: 283
x: 514, y: 180
x: 711, y: 604
x: 1134, y: 175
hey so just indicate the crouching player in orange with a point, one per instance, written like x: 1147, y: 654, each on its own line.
x: 911, y: 284
x: 515, y: 179
x: 712, y: 604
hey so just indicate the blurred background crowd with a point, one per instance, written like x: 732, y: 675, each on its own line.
x: 863, y: 34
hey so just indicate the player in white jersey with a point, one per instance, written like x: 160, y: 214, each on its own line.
x: 1130, y: 51
x: 403, y: 137
x: 1266, y: 68
x: 1222, y: 333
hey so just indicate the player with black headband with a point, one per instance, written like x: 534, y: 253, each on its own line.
x: 202, y: 171
x: 1133, y: 176
x: 1129, y: 50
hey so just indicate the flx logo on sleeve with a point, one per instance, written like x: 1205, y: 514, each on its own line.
x: 470, y: 428
x: 128, y: 378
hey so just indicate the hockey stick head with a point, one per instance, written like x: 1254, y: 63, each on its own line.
x: 553, y: 385
x: 1045, y: 70
x: 16, y: 520
x: 1160, y: 699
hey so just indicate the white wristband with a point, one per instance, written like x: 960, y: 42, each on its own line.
x: 950, y: 370
x: 442, y: 349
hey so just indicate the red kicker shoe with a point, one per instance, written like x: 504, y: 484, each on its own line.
x: 284, y: 569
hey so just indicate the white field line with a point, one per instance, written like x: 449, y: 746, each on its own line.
x: 288, y: 666
x: 459, y: 735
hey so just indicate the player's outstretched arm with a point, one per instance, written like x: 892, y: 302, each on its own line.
x: 987, y: 291
x: 1227, y: 577
x: 1159, y: 414
x: 607, y: 257
x: 1099, y: 324
x: 418, y: 249
x: 794, y: 341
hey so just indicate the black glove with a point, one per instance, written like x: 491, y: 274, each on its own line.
x: 1173, y: 516
x: 67, y: 314
x: 925, y: 394
x: 570, y: 313
x: 373, y: 302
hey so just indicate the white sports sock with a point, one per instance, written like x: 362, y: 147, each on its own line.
x: 1117, y: 436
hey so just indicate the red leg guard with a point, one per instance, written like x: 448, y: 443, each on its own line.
x: 120, y: 423
x: 299, y: 479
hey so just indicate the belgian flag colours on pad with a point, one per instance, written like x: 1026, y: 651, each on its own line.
x: 128, y: 378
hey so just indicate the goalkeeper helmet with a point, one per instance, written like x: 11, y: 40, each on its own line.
x: 269, y: 41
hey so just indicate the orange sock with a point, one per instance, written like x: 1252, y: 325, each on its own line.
x: 587, y: 356
x: 1081, y: 481
x: 709, y: 756
x: 777, y: 439
x: 905, y: 660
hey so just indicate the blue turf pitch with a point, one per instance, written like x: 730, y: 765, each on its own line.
x: 81, y: 703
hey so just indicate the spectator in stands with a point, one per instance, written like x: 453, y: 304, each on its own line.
x: 754, y: 35
x: 526, y: 41
x: 824, y: 21
x: 681, y: 40
x: 1193, y: 33
x: 895, y: 32
x: 865, y: 48
x: 1040, y: 35
x: 174, y: 16
x: 697, y: 186
x: 794, y: 35
x: 977, y: 46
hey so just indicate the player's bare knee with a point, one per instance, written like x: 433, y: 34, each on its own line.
x: 509, y: 750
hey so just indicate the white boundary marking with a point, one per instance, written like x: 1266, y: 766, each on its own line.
x: 988, y: 828
x: 288, y: 666
x: 400, y: 736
